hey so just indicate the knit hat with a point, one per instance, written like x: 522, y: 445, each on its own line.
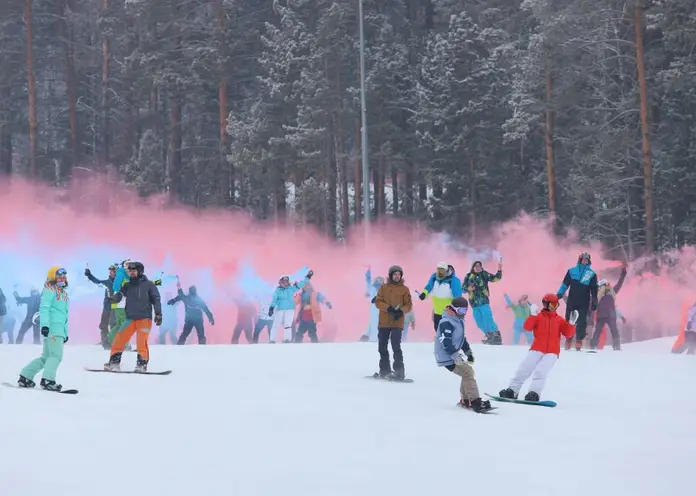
x: 395, y: 268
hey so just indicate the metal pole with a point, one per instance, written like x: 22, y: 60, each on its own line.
x: 363, y: 113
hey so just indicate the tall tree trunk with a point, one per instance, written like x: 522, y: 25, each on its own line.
x: 647, y: 153
x: 5, y: 132
x: 175, y: 182
x: 548, y: 136
x: 228, y: 193
x: 31, y: 81
x: 357, y: 184
x: 70, y: 83
x: 395, y: 189
x: 105, y: 76
x: 472, y: 193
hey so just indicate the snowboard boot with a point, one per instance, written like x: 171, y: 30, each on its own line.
x: 114, y: 363
x: 285, y: 341
x: 507, y: 393
x: 495, y: 338
x: 382, y: 375
x: 23, y: 382
x: 141, y: 365
x: 578, y: 345
x: 531, y: 396
x: 50, y: 385
x: 364, y: 338
x: 398, y: 375
x: 479, y: 406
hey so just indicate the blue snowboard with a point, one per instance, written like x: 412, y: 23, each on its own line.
x: 547, y: 403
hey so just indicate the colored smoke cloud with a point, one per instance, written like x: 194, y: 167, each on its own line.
x: 228, y: 256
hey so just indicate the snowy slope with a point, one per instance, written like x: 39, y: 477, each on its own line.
x: 301, y: 420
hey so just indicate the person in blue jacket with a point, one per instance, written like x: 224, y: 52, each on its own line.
x: 581, y: 283
x: 371, y: 288
x: 442, y: 287
x: 283, y: 307
x: 194, y: 308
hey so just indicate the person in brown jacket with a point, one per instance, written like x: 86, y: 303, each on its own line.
x: 393, y: 301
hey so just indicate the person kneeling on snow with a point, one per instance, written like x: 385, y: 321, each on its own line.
x: 548, y: 327
x: 453, y: 352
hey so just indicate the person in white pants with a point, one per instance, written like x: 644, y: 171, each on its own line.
x: 548, y: 327
x: 282, y: 307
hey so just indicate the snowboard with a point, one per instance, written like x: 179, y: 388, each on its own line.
x: 163, y: 372
x: 378, y: 378
x: 38, y: 388
x: 546, y: 403
x: 482, y: 413
x: 591, y: 351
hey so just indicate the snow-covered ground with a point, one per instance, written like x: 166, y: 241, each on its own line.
x: 301, y: 420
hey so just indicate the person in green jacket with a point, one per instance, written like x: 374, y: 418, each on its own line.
x: 53, y: 315
x: 522, y: 309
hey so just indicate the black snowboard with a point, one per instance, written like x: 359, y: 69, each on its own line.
x: 63, y: 391
x: 163, y: 372
x: 472, y: 410
x: 385, y: 379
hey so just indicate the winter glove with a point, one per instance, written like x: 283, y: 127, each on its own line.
x: 171, y: 302
x: 88, y: 272
x: 373, y: 300
x: 158, y: 282
x: 574, y: 315
x: 391, y: 310
x: 397, y: 314
x: 470, y: 357
x: 309, y: 274
x: 623, y: 319
x: 212, y: 321
x: 158, y: 319
x: 329, y: 305
x: 270, y: 311
x: 66, y: 339
x: 44, y: 332
x: 459, y: 357
x: 422, y: 296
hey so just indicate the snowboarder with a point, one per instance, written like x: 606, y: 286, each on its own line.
x: 308, y: 312
x: 581, y: 283
x: 33, y: 302
x: 522, y: 309
x: 194, y: 307
x: 476, y: 283
x: 371, y: 288
x: 107, y: 317
x: 283, y: 307
x: 170, y: 323
x: 263, y: 320
x: 687, y: 338
x: 393, y: 301
x: 53, y: 309
x: 548, y: 327
x: 142, y: 296
x: 442, y: 287
x: 453, y: 352
x: 245, y: 321
x: 606, y: 312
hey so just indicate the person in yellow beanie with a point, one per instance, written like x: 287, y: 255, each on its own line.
x: 53, y: 316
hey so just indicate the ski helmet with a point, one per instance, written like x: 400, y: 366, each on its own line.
x: 550, y: 302
x: 137, y: 266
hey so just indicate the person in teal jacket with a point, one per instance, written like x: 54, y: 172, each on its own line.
x: 476, y: 283
x: 53, y: 315
x: 522, y: 309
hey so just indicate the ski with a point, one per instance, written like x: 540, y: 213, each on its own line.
x: 546, y: 403
x: 485, y: 412
x: 38, y: 388
x: 386, y: 379
x: 163, y: 372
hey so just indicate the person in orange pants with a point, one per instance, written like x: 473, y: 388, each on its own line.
x: 142, y: 296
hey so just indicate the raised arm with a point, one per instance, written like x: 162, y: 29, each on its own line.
x: 567, y: 280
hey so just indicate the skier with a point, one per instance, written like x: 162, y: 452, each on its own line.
x: 393, y: 301
x: 371, y: 288
x: 522, y: 309
x: 263, y: 320
x: 54, y: 309
x: 606, y: 312
x: 453, y: 352
x: 245, y: 321
x: 193, y: 316
x: 548, y: 327
x: 687, y: 338
x: 33, y: 302
x: 170, y: 323
x: 284, y: 302
x: 476, y: 282
x: 582, y: 296
x: 142, y: 296
x: 107, y: 314
x: 308, y: 312
x: 442, y: 286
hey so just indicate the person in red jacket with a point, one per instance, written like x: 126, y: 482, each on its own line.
x: 548, y: 327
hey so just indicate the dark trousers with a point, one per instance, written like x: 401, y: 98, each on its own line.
x: 260, y: 325
x: 246, y: 326
x: 385, y: 335
x: 613, y: 328
x: 191, y: 324
x: 308, y: 326
x: 436, y: 320
x: 689, y: 344
x: 107, y: 319
x: 581, y: 324
x: 26, y: 325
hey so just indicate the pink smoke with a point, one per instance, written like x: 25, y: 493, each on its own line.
x: 95, y: 212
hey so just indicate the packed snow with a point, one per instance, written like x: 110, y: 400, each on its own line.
x: 302, y: 420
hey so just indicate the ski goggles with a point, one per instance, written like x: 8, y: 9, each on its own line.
x: 459, y: 310
x: 61, y: 272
